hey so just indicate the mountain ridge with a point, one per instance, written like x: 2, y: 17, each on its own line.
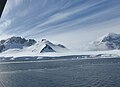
x: 110, y: 41
x: 30, y: 45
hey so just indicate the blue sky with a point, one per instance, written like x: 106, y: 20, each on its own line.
x: 71, y: 22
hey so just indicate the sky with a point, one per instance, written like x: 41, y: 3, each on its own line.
x: 70, y: 22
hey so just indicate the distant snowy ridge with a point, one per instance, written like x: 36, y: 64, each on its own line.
x: 18, y: 44
x: 110, y: 41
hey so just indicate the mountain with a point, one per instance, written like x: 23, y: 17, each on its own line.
x: 18, y: 44
x: 47, y: 46
x: 110, y: 41
x: 25, y: 49
x: 15, y: 42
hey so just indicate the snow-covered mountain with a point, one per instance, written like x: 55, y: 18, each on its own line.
x: 19, y: 44
x: 110, y: 41
x: 15, y: 42
x: 21, y: 48
x: 47, y: 46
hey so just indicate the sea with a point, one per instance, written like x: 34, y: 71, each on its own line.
x: 102, y: 72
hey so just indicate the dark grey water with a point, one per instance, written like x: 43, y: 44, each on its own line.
x: 61, y: 73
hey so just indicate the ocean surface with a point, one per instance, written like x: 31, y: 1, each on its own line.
x: 61, y: 73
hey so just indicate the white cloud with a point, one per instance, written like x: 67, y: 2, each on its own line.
x: 56, y: 17
x: 63, y: 15
x: 4, y: 25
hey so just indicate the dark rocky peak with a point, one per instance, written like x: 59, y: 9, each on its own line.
x: 20, y: 40
x: 111, y: 37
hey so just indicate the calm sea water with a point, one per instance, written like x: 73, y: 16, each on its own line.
x: 61, y: 73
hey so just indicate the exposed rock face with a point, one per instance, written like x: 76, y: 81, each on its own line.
x: 47, y: 48
x: 2, y: 47
x: 15, y: 42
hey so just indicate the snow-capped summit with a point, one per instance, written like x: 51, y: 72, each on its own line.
x: 15, y: 42
x: 109, y: 41
x: 47, y: 46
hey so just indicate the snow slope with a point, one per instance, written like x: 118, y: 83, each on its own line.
x: 27, y: 55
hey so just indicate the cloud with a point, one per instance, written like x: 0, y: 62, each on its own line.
x: 10, y: 5
x: 4, y: 25
x: 55, y: 19
x: 60, y: 16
